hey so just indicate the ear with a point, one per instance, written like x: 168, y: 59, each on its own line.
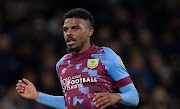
x: 90, y: 31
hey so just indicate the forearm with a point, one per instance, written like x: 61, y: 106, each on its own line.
x: 52, y: 101
x: 129, y: 94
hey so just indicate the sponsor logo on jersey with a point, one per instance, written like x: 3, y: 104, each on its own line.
x: 74, y: 82
x: 92, y: 63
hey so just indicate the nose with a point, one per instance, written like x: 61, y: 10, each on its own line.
x: 70, y: 32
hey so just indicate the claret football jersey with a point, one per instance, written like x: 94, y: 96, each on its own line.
x: 98, y: 69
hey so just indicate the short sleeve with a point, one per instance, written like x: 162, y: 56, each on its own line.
x: 116, y: 68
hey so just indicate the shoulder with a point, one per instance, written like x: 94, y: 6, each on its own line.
x: 104, y: 50
x: 108, y: 50
x: 61, y: 61
x: 110, y: 54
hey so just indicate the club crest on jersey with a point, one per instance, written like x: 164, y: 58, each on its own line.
x: 92, y: 63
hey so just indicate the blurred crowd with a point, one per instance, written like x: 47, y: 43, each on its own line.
x: 145, y: 33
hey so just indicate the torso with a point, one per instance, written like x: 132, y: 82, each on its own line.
x: 83, y: 75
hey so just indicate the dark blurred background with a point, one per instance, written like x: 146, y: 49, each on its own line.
x: 145, y: 33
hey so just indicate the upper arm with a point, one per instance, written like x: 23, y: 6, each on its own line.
x: 116, y: 68
x: 119, y: 74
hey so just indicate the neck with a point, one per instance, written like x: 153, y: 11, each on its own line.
x: 84, y: 48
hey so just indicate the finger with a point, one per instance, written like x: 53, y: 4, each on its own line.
x: 26, y: 81
x: 106, y: 105
x: 20, y: 85
x: 17, y: 88
x: 20, y: 88
x: 101, y: 103
x: 20, y: 91
x: 19, y: 81
x: 17, y: 85
x: 100, y: 93
x: 97, y: 96
x: 100, y: 97
x: 23, y: 85
x: 101, y: 100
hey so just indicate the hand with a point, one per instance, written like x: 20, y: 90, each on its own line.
x: 27, y: 89
x: 106, y: 99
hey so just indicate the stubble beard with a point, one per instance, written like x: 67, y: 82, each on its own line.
x: 77, y: 49
x: 74, y: 50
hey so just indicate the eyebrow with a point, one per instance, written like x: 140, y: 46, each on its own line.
x: 75, y: 26
x: 71, y: 27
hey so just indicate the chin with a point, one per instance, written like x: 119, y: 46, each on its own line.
x: 73, y: 49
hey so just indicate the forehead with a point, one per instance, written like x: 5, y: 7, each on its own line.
x: 74, y: 21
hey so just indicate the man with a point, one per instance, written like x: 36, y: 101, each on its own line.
x: 88, y: 73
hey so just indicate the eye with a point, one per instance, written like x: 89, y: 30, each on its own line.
x: 65, y: 29
x: 75, y: 28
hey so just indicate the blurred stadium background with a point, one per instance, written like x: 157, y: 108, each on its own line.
x: 145, y: 33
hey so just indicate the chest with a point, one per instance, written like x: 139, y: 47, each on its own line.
x: 85, y: 67
x: 87, y: 74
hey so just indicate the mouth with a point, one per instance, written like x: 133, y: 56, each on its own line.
x: 70, y: 41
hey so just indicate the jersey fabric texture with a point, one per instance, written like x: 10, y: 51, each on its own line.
x: 98, y: 69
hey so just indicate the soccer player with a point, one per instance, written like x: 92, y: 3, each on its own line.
x: 88, y: 73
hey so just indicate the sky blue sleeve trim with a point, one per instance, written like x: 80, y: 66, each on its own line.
x: 129, y: 94
x: 52, y: 101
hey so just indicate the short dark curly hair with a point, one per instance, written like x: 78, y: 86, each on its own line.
x: 80, y: 13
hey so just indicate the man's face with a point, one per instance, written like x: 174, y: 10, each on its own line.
x: 76, y: 34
